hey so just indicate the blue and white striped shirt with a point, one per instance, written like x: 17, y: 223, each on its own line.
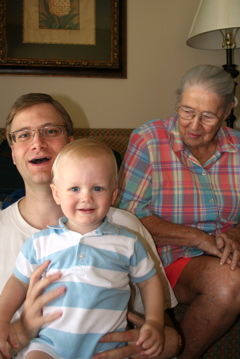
x: 95, y: 269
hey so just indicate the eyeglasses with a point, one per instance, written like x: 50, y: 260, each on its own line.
x: 207, y: 118
x: 47, y: 132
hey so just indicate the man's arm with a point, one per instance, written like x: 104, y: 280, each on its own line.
x: 172, y: 343
x: 11, y: 299
x: 32, y: 319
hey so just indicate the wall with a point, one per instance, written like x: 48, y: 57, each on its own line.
x: 157, y: 57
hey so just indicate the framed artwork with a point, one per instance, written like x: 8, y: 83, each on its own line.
x: 78, y: 38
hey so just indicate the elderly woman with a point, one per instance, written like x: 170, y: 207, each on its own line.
x: 181, y: 177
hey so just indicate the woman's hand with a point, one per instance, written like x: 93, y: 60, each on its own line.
x: 229, y: 245
x: 207, y: 244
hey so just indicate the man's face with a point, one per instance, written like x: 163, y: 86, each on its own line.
x: 34, y: 158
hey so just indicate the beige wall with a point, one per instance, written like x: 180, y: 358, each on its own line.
x: 157, y: 57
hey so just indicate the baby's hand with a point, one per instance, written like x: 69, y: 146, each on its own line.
x: 6, y: 338
x: 151, y: 338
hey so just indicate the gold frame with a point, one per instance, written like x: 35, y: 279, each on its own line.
x: 106, y: 59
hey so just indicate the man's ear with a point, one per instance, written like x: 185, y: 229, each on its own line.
x: 114, y: 195
x: 13, y: 156
x: 55, y: 193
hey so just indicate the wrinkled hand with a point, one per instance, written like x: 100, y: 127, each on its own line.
x: 32, y: 317
x: 229, y: 245
x: 131, y: 336
x: 208, y: 245
x: 151, y: 338
x: 6, y: 338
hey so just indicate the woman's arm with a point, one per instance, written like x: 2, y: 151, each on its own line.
x: 168, y: 233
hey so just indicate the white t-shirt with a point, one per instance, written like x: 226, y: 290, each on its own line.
x: 15, y: 230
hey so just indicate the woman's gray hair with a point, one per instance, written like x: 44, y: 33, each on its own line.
x: 211, y: 78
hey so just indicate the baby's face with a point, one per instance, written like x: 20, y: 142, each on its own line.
x: 85, y: 191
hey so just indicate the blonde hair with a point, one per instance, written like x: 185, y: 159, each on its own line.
x: 82, y: 149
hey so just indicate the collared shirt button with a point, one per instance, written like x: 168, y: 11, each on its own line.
x: 82, y: 240
x: 81, y: 255
x: 211, y: 200
x: 203, y: 173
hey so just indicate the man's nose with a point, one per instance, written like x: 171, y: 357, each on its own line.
x: 37, y: 139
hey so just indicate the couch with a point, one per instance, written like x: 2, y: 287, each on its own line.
x: 228, y: 347
x: 117, y: 139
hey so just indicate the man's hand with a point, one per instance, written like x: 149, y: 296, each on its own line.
x: 131, y: 336
x: 171, y: 348
x: 6, y: 339
x: 32, y: 319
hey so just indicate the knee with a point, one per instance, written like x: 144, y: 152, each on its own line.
x: 227, y: 288
x: 173, y: 343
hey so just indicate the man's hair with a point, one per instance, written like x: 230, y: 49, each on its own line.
x: 82, y: 149
x: 30, y: 99
x: 211, y: 78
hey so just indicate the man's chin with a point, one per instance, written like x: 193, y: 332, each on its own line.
x: 40, y: 179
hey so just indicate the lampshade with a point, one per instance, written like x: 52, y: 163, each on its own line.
x: 211, y: 17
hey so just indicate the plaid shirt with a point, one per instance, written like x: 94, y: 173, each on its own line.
x: 160, y: 176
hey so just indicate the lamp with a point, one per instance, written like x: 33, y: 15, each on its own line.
x: 216, y: 25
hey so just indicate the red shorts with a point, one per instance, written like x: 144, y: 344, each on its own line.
x: 174, y: 270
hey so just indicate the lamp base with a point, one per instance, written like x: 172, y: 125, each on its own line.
x: 231, y: 69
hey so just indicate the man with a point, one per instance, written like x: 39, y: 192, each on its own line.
x: 37, y: 128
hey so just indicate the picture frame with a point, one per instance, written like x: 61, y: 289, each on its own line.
x: 23, y: 53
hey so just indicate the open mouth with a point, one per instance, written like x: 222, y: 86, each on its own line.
x: 37, y: 161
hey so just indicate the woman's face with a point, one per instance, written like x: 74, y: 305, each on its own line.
x: 194, y: 132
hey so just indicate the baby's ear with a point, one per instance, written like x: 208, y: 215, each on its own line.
x: 55, y: 193
x: 114, y: 195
